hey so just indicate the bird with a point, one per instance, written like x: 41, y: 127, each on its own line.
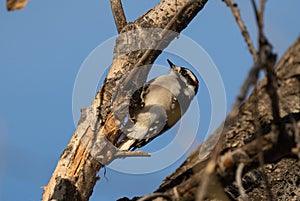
x: 158, y: 105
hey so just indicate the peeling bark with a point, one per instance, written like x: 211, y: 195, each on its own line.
x: 77, y: 169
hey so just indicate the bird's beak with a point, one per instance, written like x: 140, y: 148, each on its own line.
x: 171, y: 64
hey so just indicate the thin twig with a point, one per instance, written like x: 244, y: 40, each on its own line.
x: 236, y: 13
x: 253, y: 73
x: 238, y: 178
x: 261, y: 11
x: 250, y: 81
x: 118, y: 13
x: 259, y: 21
x: 267, y: 60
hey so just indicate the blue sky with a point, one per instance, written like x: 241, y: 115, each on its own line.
x: 41, y: 50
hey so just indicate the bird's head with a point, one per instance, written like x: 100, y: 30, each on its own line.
x: 186, y: 75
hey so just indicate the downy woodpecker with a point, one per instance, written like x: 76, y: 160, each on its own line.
x: 158, y: 105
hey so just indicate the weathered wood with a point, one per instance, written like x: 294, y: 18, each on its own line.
x: 118, y: 13
x: 76, y: 172
x: 240, y: 145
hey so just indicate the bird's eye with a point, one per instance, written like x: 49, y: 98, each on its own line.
x: 183, y: 72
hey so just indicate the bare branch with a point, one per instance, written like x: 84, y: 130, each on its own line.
x: 267, y: 60
x: 259, y: 15
x: 251, y: 80
x: 236, y: 13
x: 77, y: 167
x: 259, y: 18
x: 238, y: 178
x: 261, y: 12
x: 254, y: 71
x: 239, y: 144
x: 118, y: 13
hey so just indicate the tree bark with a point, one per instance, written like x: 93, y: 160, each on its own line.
x: 242, y: 144
x: 249, y: 137
x: 76, y: 172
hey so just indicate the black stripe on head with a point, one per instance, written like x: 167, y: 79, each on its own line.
x: 190, y: 77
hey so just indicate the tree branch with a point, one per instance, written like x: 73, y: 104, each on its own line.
x: 77, y: 167
x: 239, y: 145
x: 118, y: 13
x: 254, y: 71
x: 236, y: 13
x: 238, y: 178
